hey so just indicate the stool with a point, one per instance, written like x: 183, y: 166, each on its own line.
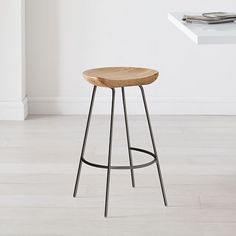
x: 120, y: 77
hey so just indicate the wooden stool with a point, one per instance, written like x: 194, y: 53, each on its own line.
x: 120, y: 77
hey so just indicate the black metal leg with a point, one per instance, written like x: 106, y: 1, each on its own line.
x: 85, y: 141
x: 127, y: 134
x: 154, y: 146
x: 109, y: 153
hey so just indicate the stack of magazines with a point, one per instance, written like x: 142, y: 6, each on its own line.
x: 211, y: 18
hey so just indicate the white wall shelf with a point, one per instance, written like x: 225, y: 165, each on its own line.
x: 204, y: 33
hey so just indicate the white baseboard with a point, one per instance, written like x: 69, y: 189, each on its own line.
x: 13, y: 110
x: 157, y: 106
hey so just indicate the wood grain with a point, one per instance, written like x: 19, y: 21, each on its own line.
x: 113, y: 77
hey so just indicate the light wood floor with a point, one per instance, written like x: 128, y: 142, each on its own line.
x: 38, y: 163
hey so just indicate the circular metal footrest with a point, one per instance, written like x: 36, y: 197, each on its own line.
x: 125, y: 167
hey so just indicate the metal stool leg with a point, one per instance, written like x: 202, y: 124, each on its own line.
x: 154, y: 146
x: 109, y: 153
x: 127, y: 134
x: 85, y: 141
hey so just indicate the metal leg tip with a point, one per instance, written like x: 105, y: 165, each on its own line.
x: 74, y: 195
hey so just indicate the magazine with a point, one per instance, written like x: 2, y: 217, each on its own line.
x: 211, y: 18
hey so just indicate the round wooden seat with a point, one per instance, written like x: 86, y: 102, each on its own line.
x: 113, y: 77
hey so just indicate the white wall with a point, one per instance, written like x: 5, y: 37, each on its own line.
x: 13, y: 104
x: 65, y: 37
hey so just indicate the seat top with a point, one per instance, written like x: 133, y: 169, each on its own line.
x: 113, y: 77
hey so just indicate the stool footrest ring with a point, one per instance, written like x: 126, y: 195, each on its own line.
x: 125, y: 167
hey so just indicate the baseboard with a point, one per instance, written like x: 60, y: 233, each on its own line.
x: 13, y: 110
x: 157, y: 106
